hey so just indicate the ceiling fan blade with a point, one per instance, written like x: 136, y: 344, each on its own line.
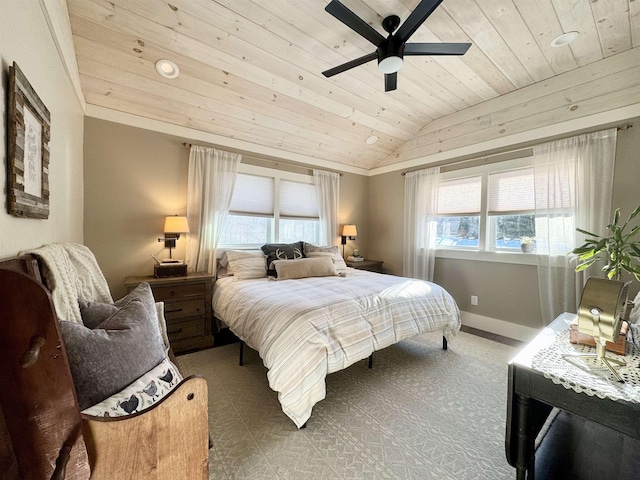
x: 390, y: 81
x: 416, y: 18
x: 354, y: 22
x: 353, y: 63
x: 436, y: 48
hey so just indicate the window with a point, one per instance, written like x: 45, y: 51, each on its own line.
x: 492, y: 207
x: 511, y: 208
x: 271, y: 206
x: 459, y: 207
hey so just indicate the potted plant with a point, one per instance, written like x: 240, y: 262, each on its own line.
x: 618, y: 248
x: 526, y: 244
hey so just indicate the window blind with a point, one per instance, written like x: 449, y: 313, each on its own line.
x: 511, y: 191
x: 253, y: 195
x: 298, y: 200
x: 461, y: 196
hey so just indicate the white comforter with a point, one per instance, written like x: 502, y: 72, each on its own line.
x: 307, y: 328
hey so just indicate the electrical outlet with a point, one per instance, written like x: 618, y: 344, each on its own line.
x: 474, y: 300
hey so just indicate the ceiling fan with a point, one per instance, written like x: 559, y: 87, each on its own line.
x: 391, y: 50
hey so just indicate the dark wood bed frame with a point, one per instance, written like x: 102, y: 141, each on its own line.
x: 44, y: 435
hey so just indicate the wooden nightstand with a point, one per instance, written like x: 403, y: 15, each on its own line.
x: 370, y: 265
x: 187, y: 307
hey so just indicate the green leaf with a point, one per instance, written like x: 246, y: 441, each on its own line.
x: 585, y: 265
x: 587, y: 255
x: 633, y: 231
x: 618, y: 235
x: 634, y: 214
x: 600, y: 245
x: 584, y: 232
x: 616, y: 216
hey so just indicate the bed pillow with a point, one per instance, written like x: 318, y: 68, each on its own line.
x: 246, y: 265
x: 223, y: 261
x: 315, y: 251
x: 281, y: 251
x: 341, y: 267
x: 305, y: 267
x: 109, y: 357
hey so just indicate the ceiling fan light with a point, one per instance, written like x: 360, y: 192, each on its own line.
x: 390, y: 64
x: 167, y: 68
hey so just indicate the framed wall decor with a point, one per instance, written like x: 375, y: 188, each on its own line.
x: 28, y: 161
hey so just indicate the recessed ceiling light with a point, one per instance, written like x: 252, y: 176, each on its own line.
x: 564, y: 39
x: 167, y: 68
x: 371, y: 140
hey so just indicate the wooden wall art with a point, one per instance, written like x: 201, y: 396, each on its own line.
x: 28, y: 160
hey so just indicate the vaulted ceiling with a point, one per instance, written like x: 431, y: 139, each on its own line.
x: 251, y: 71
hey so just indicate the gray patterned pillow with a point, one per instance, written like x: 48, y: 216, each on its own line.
x: 281, y: 251
x: 108, y: 358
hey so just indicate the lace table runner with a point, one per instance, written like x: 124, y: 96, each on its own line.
x: 587, y: 375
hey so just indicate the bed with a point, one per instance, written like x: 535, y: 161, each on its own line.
x: 306, y: 328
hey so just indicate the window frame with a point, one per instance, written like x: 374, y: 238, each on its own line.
x: 277, y: 176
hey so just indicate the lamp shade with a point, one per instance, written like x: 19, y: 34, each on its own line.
x: 349, y: 231
x: 176, y: 224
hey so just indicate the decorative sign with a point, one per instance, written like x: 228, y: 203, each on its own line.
x: 29, y: 133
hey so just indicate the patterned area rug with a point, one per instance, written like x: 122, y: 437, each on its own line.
x: 421, y: 413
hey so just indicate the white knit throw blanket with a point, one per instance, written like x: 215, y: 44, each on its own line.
x: 72, y: 272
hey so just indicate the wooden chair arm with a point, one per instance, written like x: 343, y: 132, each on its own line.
x: 164, y: 442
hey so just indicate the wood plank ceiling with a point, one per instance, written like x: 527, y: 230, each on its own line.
x: 251, y: 70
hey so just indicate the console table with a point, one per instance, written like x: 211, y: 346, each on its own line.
x: 532, y: 396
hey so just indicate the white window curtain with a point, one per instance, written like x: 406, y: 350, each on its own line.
x: 420, y: 223
x: 328, y: 194
x: 212, y: 178
x: 573, y: 184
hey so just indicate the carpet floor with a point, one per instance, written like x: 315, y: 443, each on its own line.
x: 420, y: 413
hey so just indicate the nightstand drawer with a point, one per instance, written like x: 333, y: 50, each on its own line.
x: 189, y: 328
x: 179, y: 291
x: 188, y: 308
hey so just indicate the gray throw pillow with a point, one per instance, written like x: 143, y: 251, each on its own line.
x: 94, y: 313
x: 108, y: 358
x: 142, y: 293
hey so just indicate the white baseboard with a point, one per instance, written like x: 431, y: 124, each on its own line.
x: 499, y: 327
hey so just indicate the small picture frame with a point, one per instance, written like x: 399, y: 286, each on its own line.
x: 28, y: 160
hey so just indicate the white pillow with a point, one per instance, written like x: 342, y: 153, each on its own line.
x: 246, y: 265
x: 305, y: 267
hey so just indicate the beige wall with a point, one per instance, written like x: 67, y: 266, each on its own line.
x: 134, y: 178
x: 25, y: 39
x: 507, y: 292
